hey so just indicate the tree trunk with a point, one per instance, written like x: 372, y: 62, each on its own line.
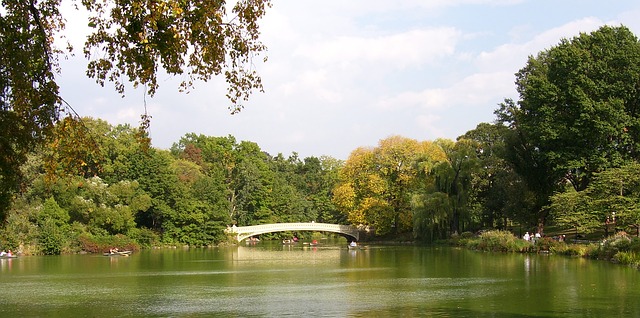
x: 455, y: 222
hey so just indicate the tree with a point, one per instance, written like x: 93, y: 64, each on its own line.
x: 130, y: 41
x: 29, y: 101
x: 431, y: 212
x: 531, y: 166
x: 241, y: 167
x: 152, y: 171
x: 575, y: 210
x: 580, y: 103
x: 72, y: 150
x: 578, y: 113
x: 198, y: 38
x: 616, y: 194
x: 500, y: 192
x: 376, y: 185
x: 320, y: 176
x: 453, y: 177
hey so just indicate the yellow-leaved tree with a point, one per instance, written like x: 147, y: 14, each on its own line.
x: 376, y: 184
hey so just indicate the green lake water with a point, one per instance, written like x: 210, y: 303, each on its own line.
x: 271, y: 280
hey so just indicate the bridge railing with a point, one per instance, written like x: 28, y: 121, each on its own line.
x: 247, y: 231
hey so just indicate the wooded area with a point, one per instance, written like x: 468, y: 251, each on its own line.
x: 565, y: 154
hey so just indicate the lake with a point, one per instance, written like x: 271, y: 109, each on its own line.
x: 273, y: 280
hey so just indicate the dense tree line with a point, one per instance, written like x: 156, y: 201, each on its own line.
x: 81, y: 195
x: 565, y: 153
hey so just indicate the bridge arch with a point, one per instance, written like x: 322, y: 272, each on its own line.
x: 243, y: 232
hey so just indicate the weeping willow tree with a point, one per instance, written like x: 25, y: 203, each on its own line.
x: 431, y: 216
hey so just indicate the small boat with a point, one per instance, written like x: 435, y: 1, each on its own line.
x: 288, y: 242
x: 313, y: 243
x: 8, y: 256
x: 117, y: 253
x: 353, y: 246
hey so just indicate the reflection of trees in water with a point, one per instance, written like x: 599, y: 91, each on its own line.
x: 290, y: 254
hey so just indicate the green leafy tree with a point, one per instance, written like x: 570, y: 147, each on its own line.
x: 453, y: 177
x: 288, y: 203
x: 499, y: 192
x: 19, y: 230
x: 54, y: 226
x: 616, y: 194
x: 217, y: 158
x: 153, y: 172
x: 578, y: 112
x: 530, y: 164
x: 199, y: 215
x: 109, y: 208
x: 253, y: 184
x: 580, y: 103
x: 241, y: 167
x: 51, y: 211
x: 329, y: 212
x: 575, y: 210
x: 320, y: 176
x: 431, y: 215
x: 117, y: 146
x: 130, y: 41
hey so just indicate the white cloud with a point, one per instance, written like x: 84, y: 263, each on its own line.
x: 355, y: 6
x: 128, y: 115
x: 411, y: 48
x: 428, y: 123
x: 343, y: 74
x: 475, y: 89
x: 513, y: 56
x: 429, y: 99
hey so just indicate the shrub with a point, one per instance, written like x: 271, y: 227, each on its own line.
x: 627, y: 258
x: 569, y: 250
x: 546, y: 244
x: 145, y: 237
x: 100, y: 243
x: 52, y: 238
x: 591, y: 250
x: 467, y: 235
x: 619, y: 242
x: 499, y: 241
x: 634, y: 246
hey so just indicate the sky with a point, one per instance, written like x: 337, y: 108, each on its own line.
x: 346, y: 74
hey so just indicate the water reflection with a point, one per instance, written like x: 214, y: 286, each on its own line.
x: 5, y: 264
x: 271, y: 280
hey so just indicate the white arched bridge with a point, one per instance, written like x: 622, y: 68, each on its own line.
x: 243, y: 232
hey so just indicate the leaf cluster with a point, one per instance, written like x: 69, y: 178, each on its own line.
x: 132, y: 40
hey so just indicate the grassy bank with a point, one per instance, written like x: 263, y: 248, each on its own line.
x: 620, y: 248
